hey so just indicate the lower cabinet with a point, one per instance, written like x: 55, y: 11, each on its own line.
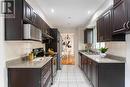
x: 31, y: 77
x: 103, y: 74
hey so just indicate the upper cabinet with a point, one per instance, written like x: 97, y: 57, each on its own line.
x: 114, y: 24
x: 104, y: 27
x: 88, y: 35
x: 100, y: 30
x: 24, y: 14
x: 28, y: 13
x: 128, y: 15
x: 119, y: 17
x: 108, y: 25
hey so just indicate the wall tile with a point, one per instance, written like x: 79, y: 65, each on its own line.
x: 117, y: 48
x: 15, y: 50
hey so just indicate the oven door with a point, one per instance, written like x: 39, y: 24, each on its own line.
x: 54, y: 66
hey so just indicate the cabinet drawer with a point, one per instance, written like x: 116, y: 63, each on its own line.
x: 45, y: 77
x: 46, y: 68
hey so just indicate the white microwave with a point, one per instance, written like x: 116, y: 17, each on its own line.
x: 32, y: 33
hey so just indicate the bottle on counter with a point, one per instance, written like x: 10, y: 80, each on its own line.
x: 31, y: 56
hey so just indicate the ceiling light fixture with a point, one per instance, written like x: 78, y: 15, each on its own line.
x: 89, y: 12
x: 52, y: 10
x: 69, y: 17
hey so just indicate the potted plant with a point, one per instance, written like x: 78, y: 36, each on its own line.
x: 103, y: 51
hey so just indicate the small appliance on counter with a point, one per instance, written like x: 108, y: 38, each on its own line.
x: 38, y: 52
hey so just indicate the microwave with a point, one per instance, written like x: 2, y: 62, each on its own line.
x: 32, y: 33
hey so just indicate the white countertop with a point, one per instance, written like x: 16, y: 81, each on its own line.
x: 36, y: 63
x: 99, y: 59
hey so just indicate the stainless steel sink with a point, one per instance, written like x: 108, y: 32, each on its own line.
x: 91, y: 53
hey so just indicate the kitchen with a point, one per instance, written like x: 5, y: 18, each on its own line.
x: 117, y: 46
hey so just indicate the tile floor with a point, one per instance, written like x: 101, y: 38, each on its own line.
x: 70, y: 76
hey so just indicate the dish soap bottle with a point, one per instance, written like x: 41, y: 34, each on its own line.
x: 31, y: 56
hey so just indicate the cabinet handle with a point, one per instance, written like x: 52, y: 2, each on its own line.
x: 127, y: 25
x: 124, y: 25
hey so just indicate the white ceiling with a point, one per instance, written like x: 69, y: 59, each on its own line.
x: 69, y: 13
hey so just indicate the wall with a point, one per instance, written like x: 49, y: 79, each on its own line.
x: 127, y: 65
x: 2, y: 56
x: 17, y: 49
x: 80, y: 38
x: 117, y: 48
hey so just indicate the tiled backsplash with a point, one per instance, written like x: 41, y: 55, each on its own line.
x: 114, y: 48
x: 18, y: 49
x: 117, y: 48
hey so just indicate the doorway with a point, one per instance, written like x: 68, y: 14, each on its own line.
x: 68, y: 49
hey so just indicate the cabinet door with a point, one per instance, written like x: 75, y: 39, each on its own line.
x: 14, y: 26
x: 86, y: 66
x: 94, y: 74
x: 34, y: 15
x: 101, y: 29
x: 98, y: 31
x: 119, y: 17
x: 128, y: 7
x: 80, y: 60
x: 85, y: 36
x: 108, y: 26
x: 89, y: 69
x: 27, y: 12
x: 48, y: 29
x: 24, y: 77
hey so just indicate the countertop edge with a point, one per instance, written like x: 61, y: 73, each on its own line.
x: 18, y: 63
x: 114, y: 58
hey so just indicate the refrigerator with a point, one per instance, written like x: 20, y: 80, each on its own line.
x: 55, y: 44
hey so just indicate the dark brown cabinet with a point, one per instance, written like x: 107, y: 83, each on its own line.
x: 115, y: 23
x: 100, y: 30
x: 119, y: 17
x: 14, y: 26
x: 55, y: 45
x: 24, y: 14
x: 85, y: 36
x: 128, y: 22
x: 28, y: 12
x: 108, y: 26
x: 103, y: 74
x: 88, y: 35
x: 31, y: 77
x: 104, y: 27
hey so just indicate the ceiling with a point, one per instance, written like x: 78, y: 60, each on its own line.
x: 69, y: 13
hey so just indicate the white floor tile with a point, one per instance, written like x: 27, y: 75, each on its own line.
x: 73, y: 84
x: 70, y: 76
x: 63, y: 84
